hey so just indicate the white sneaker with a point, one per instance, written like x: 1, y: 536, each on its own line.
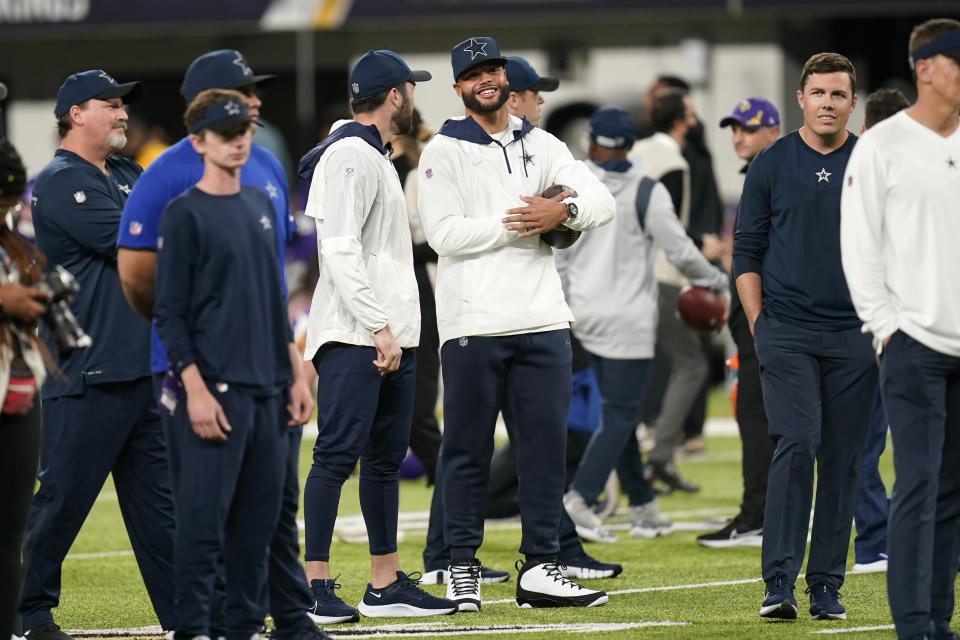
x: 438, y: 576
x: 877, y: 566
x: 540, y: 584
x: 464, y: 585
x: 588, y: 524
x: 648, y: 522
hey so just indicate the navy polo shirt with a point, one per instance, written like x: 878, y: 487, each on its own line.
x: 788, y: 231
x: 171, y: 174
x: 219, y: 297
x: 76, y: 213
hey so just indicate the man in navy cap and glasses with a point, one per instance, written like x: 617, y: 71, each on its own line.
x: 362, y: 334
x: 173, y: 172
x: 526, y: 84
x: 100, y: 416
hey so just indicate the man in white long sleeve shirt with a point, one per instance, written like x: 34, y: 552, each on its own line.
x: 503, y: 322
x: 611, y: 288
x: 362, y: 334
x: 899, y: 227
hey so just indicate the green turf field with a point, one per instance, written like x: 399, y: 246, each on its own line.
x: 668, y: 580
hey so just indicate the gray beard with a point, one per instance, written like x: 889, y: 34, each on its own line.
x: 117, y: 140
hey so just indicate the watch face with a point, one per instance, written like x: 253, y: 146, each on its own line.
x: 572, y: 210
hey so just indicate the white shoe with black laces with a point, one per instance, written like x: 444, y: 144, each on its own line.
x: 464, y: 585
x: 541, y: 584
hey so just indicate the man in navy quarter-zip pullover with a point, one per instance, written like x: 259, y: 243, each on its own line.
x: 502, y: 319
x: 817, y: 369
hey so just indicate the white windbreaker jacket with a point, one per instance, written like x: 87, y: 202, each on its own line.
x: 489, y: 281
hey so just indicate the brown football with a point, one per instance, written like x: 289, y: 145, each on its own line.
x: 701, y: 308
x: 561, y: 237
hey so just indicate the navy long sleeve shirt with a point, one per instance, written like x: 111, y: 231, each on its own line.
x: 788, y: 231
x: 219, y: 301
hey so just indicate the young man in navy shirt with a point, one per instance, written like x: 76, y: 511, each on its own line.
x: 235, y: 386
x: 175, y: 171
x: 817, y: 369
x: 100, y: 416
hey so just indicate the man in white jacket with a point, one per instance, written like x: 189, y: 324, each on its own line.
x: 362, y: 334
x: 503, y: 322
x: 898, y: 234
x: 611, y: 288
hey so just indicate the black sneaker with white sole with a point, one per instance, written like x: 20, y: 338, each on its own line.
x: 403, y: 599
x: 585, y: 567
x: 735, y: 534
x: 541, y: 584
x: 327, y: 607
x: 464, y: 585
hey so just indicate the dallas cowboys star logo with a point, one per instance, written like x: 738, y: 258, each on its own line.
x: 476, y: 49
x: 528, y: 159
x: 265, y: 221
x: 823, y: 175
x: 106, y: 76
x: 240, y: 62
x: 951, y: 163
x: 271, y: 190
x: 232, y: 108
x: 125, y: 188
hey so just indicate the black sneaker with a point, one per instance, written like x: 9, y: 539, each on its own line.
x: 825, y: 603
x: 403, y: 599
x: 778, y: 600
x: 464, y: 585
x: 584, y: 567
x: 540, y: 584
x: 327, y: 607
x: 733, y: 535
x: 47, y: 631
x: 666, y: 472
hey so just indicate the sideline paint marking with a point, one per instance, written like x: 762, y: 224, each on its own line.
x: 856, y: 629
x: 675, y: 587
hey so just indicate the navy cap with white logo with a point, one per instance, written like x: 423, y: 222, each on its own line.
x: 221, y: 116
x: 95, y: 83
x: 612, y: 128
x: 753, y: 113
x: 522, y: 77
x: 220, y: 69
x: 379, y: 71
x: 473, y: 51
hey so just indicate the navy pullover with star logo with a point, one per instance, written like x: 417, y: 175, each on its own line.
x: 219, y: 293
x: 788, y: 231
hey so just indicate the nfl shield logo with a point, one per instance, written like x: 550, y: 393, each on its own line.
x: 463, y: 341
x: 349, y: 172
x: 80, y: 197
x: 136, y: 228
x: 428, y: 173
x: 355, y: 87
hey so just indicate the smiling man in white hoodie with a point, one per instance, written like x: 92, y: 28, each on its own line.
x: 504, y: 325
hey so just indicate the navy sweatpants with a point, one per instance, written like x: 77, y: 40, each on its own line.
x: 921, y: 393
x: 481, y: 374
x: 872, y: 507
x: 818, y: 389
x: 363, y: 416
x: 112, y: 428
x: 228, y: 499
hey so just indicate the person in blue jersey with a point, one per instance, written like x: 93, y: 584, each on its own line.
x: 99, y: 417
x: 362, y: 334
x: 173, y: 172
x: 236, y: 385
x: 817, y: 369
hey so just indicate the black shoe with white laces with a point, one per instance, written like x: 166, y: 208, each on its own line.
x: 540, y: 584
x: 464, y: 585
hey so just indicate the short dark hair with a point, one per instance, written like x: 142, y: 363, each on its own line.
x: 64, y: 124
x: 828, y: 63
x: 674, y: 82
x: 925, y: 33
x: 206, y: 98
x: 883, y: 103
x: 667, y: 107
x: 371, y: 103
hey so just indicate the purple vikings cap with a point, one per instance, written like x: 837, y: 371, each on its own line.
x: 753, y: 113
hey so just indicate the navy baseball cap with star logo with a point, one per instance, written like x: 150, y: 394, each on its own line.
x: 220, y: 69
x: 379, y: 71
x: 221, y: 116
x: 473, y: 51
x: 93, y: 84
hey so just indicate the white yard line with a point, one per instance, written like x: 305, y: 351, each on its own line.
x: 675, y: 587
x: 883, y: 627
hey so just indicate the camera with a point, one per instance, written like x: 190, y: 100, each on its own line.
x: 65, y: 332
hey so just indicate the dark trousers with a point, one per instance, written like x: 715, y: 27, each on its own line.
x: 754, y: 428
x: 363, y: 416
x: 622, y: 383
x: 531, y: 373
x: 872, y: 507
x: 818, y: 389
x: 921, y: 393
x: 112, y: 428
x: 425, y: 430
x: 228, y: 499
x: 20, y: 438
